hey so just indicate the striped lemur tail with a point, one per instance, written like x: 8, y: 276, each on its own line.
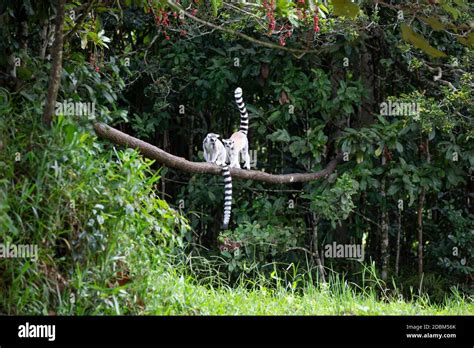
x: 244, y: 116
x: 244, y: 127
x: 227, y: 195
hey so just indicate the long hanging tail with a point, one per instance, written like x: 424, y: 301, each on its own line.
x: 227, y: 196
x: 244, y: 116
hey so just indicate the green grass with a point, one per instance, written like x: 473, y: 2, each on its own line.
x: 193, y: 285
x: 172, y: 293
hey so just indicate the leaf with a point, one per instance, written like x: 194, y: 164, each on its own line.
x: 293, y: 18
x: 323, y: 8
x: 378, y: 152
x: 399, y: 147
x: 280, y: 135
x: 274, y: 116
x: 211, y: 195
x: 432, y: 135
x: 393, y: 189
x: 215, y: 5
x: 461, y: 3
x: 90, y: 90
x: 434, y: 23
x: 84, y: 41
x: 108, y: 96
x: 282, y: 7
x: 420, y: 42
x: 469, y: 42
x: 451, y: 10
x: 345, y: 8
x: 30, y: 97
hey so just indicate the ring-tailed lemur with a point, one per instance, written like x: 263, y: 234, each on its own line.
x: 238, y: 143
x: 233, y: 147
x: 214, y: 152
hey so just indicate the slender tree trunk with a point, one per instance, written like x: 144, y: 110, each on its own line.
x: 317, y: 259
x: 420, y: 216
x: 44, y: 38
x: 24, y: 36
x: 56, y: 67
x: 191, y: 139
x: 420, y: 231
x: 384, y: 229
x: 399, y: 230
x: 163, y: 176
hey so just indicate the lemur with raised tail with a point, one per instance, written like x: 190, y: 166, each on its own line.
x: 238, y: 143
x: 227, y: 155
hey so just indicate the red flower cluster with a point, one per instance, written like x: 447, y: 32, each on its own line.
x: 316, y: 22
x: 162, y: 19
x: 270, y: 14
x: 286, y: 34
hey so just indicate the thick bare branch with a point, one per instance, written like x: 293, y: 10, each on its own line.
x: 179, y: 163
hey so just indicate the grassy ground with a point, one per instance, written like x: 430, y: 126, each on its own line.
x: 172, y: 294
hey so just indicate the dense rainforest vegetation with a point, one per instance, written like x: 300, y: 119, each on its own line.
x: 371, y: 99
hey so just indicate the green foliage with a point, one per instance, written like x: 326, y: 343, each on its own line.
x: 93, y: 215
x: 333, y: 203
x: 454, y: 248
x: 251, y: 244
x: 104, y: 236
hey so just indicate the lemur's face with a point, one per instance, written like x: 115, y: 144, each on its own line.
x: 228, y: 143
x: 212, y: 138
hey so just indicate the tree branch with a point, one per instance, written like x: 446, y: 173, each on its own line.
x: 179, y: 163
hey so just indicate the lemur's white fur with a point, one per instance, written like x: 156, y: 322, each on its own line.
x: 235, y: 146
x: 238, y: 143
x: 214, y: 150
